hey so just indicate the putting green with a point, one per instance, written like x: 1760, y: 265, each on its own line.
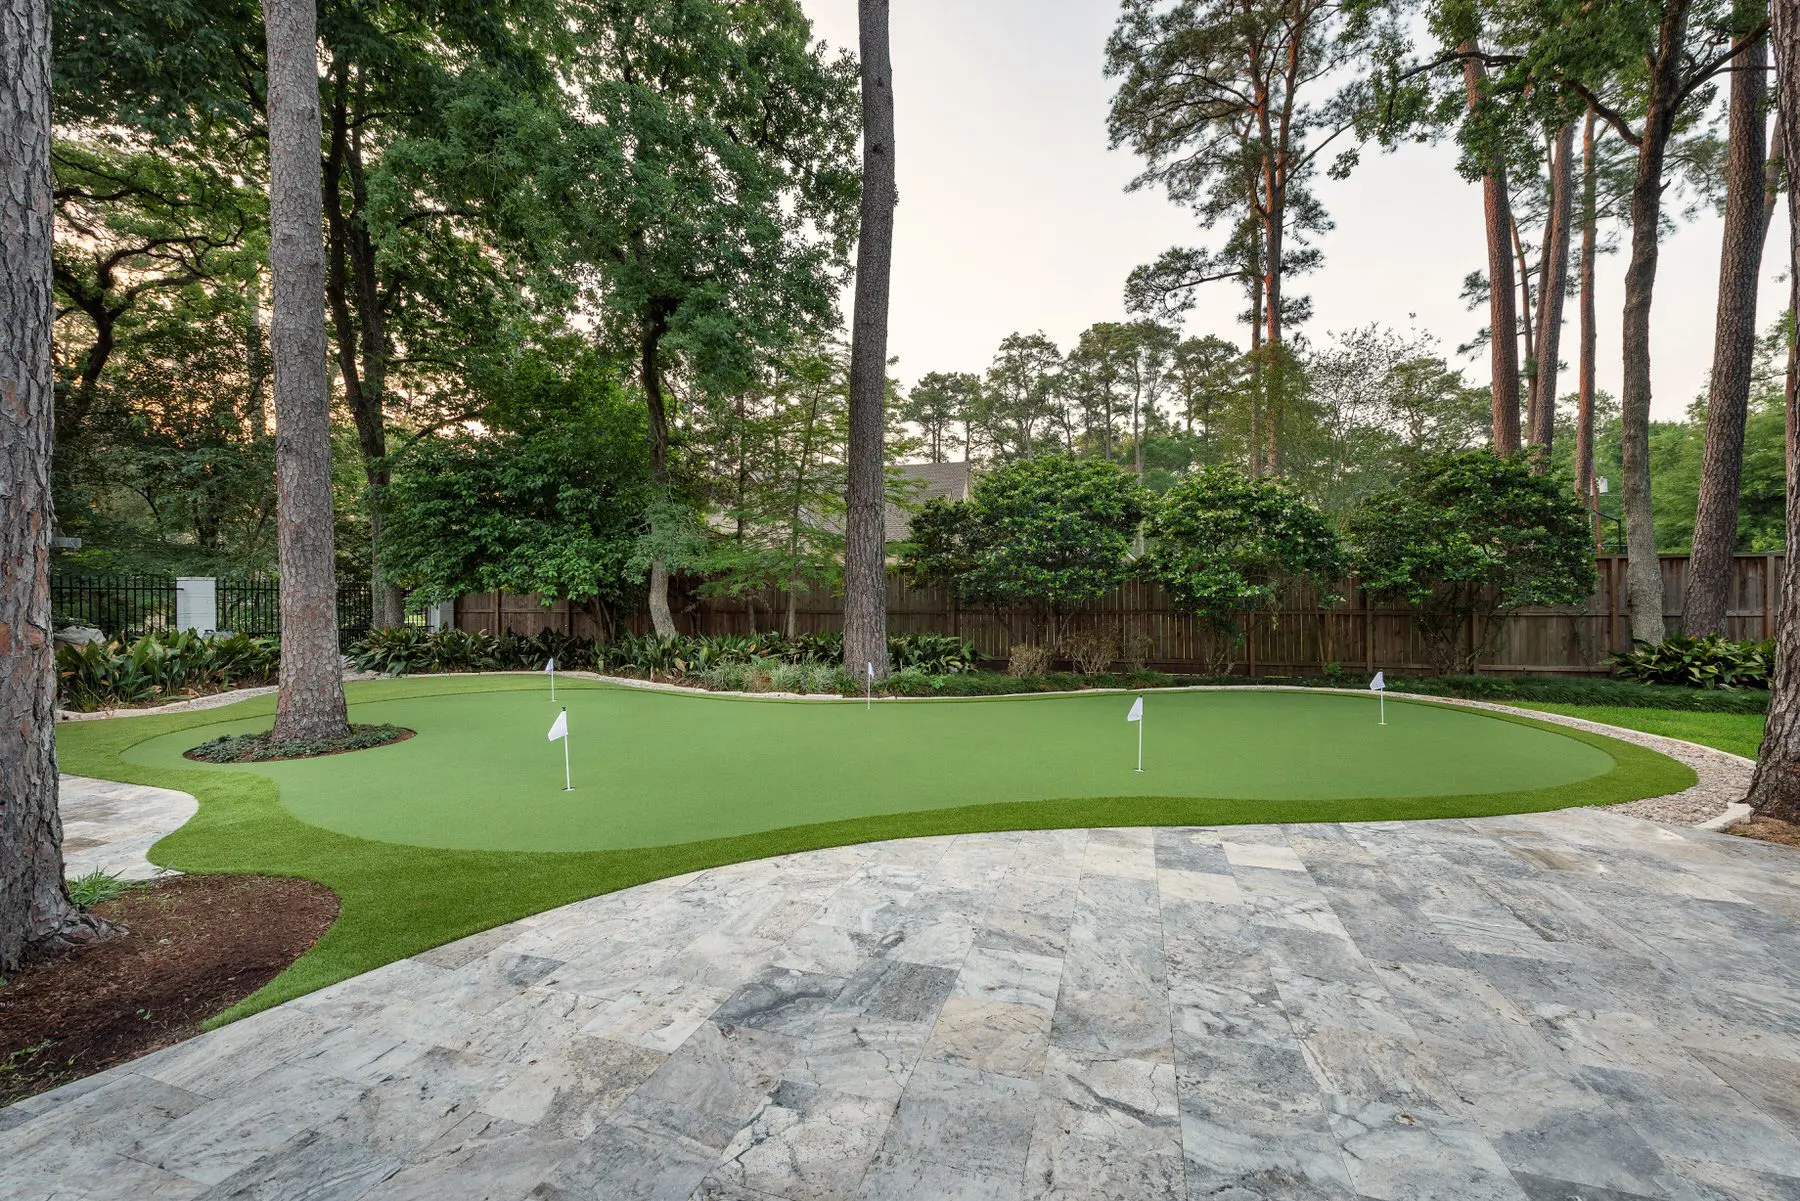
x: 657, y: 769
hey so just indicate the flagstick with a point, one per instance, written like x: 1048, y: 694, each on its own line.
x: 553, y: 681
x: 1383, y: 695
x: 869, y: 689
x: 1140, y: 726
x: 568, y: 784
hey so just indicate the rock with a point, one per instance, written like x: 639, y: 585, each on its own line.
x: 77, y: 636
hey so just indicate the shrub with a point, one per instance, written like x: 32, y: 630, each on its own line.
x: 96, y: 675
x: 1222, y: 544
x: 1466, y: 538
x: 1028, y: 659
x: 1135, y: 648
x: 935, y: 654
x: 1038, y: 538
x: 1710, y: 662
x: 1092, y: 651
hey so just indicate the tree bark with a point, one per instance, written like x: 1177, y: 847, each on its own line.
x: 34, y: 906
x: 310, y: 702
x: 1584, y: 404
x: 1643, y: 572
x: 1775, y: 788
x: 1503, y: 319
x: 360, y: 319
x: 1708, y: 596
x: 1553, y: 277
x: 655, y: 326
x: 865, y: 542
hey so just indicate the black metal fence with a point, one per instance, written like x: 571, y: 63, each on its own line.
x: 116, y: 605
x: 128, y: 606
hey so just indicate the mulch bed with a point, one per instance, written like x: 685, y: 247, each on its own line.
x: 193, y: 947
x: 1768, y: 829
x: 262, y: 748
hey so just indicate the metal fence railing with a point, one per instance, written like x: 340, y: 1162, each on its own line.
x: 129, y: 606
x: 116, y: 605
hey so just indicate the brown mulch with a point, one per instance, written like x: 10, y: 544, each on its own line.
x: 193, y: 946
x: 1768, y: 829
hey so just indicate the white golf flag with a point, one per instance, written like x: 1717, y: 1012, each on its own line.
x: 1137, y: 710
x: 1379, y: 683
x: 871, y: 671
x: 550, y: 667
x: 560, y: 727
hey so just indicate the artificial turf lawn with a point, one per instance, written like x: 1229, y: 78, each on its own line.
x: 398, y: 900
x: 655, y: 768
x: 1738, y: 733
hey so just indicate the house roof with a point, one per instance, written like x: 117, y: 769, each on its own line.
x: 923, y: 482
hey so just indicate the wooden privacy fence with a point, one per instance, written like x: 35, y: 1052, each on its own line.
x: 1356, y: 633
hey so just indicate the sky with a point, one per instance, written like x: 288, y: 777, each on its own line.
x: 1014, y: 214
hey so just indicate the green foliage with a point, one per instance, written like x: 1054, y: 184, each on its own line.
x: 410, y: 650
x: 1039, y: 537
x: 554, y: 502
x: 1710, y: 662
x: 98, y: 675
x: 1584, y: 690
x: 262, y: 748
x: 1222, y: 544
x: 95, y: 888
x: 1465, y: 538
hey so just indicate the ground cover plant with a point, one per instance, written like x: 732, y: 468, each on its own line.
x: 259, y: 747
x: 1710, y: 662
x: 400, y: 899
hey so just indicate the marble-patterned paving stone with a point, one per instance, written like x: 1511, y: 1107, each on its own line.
x: 308, y: 1167
x: 991, y: 1036
x: 709, y: 1088
x: 571, y: 1090
x: 781, y: 999
x: 1396, y: 1154
x: 1544, y: 1006
x: 969, y: 1121
x: 1010, y: 978
x: 807, y: 1143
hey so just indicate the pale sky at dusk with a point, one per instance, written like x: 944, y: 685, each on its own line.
x: 1013, y: 213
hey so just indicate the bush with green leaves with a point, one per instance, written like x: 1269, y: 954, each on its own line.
x: 1709, y: 662
x: 1222, y: 544
x: 1467, y: 538
x: 1036, y: 540
x: 158, y: 666
x: 95, y: 888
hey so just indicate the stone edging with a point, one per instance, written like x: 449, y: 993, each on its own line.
x: 1713, y: 803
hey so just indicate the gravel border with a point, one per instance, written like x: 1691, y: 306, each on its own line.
x: 1713, y: 803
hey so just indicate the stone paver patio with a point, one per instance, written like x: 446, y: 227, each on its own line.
x: 1570, y: 1005
x: 111, y: 827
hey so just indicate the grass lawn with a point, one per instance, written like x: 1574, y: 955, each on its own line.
x: 467, y: 826
x: 1739, y: 733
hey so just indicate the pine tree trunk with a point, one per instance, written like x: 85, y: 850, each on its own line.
x: 865, y: 543
x: 33, y: 904
x: 1503, y: 319
x: 1553, y: 277
x: 656, y: 325
x: 1734, y: 351
x: 1775, y: 788
x: 310, y: 702
x: 1584, y: 410
x: 1643, y: 571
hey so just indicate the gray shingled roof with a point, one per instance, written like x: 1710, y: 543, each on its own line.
x: 926, y: 481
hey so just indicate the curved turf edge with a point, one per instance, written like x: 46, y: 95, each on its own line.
x: 397, y: 901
